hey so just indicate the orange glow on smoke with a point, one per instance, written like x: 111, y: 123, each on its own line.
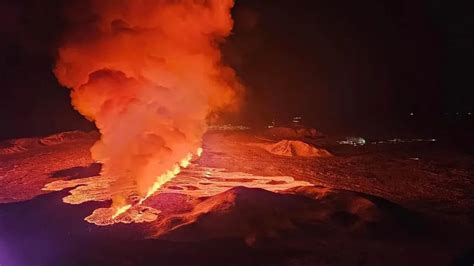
x: 149, y: 74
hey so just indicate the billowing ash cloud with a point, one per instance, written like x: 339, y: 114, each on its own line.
x: 148, y: 73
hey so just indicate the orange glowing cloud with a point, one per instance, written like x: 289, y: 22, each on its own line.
x: 149, y: 74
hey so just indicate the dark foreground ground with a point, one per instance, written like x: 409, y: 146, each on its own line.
x: 378, y: 204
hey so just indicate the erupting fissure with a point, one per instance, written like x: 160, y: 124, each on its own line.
x: 160, y: 181
x: 149, y: 74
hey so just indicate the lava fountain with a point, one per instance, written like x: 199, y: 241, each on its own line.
x: 149, y: 74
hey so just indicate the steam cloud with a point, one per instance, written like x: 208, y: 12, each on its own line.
x: 149, y: 74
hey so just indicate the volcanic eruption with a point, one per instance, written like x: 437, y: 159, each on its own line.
x: 149, y: 75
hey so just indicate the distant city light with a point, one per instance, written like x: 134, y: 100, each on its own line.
x: 297, y: 119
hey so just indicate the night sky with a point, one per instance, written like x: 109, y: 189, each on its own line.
x: 337, y: 63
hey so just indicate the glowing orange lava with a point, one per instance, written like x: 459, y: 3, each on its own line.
x: 121, y: 210
x: 199, y: 152
x: 160, y: 181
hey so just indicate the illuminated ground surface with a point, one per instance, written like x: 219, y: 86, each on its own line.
x: 371, y: 205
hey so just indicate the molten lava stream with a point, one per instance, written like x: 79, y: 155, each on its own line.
x: 121, y: 210
x: 160, y: 181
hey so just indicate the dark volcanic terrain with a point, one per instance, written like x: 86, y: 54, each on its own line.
x: 400, y: 203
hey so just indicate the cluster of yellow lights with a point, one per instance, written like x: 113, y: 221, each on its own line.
x: 161, y: 180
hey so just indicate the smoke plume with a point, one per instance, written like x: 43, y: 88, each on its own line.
x: 149, y: 74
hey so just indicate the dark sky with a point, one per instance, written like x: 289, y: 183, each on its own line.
x: 334, y: 62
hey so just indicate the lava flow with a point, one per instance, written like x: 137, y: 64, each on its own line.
x: 149, y: 74
x: 160, y: 181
